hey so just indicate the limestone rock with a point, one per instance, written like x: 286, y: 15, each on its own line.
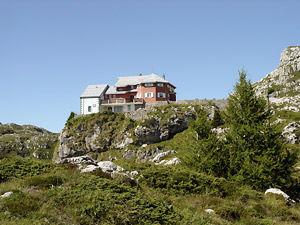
x: 157, y: 130
x: 209, y: 211
x: 163, y: 154
x: 278, y: 192
x: 288, y: 133
x: 124, y: 142
x: 110, y: 168
x: 6, y: 195
x: 173, y: 161
x: 147, y: 154
x: 128, y: 154
x: 77, y: 160
x: 283, y: 84
x: 90, y: 168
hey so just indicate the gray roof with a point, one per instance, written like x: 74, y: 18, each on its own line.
x: 94, y: 90
x: 111, y: 90
x: 134, y: 80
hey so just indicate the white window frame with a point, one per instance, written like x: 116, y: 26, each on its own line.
x: 139, y: 95
x: 161, y: 95
x: 160, y: 84
x: 149, y: 95
x: 149, y: 85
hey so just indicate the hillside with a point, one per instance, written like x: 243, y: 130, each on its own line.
x: 26, y: 141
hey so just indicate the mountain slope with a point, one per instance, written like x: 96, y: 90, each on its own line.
x: 26, y: 141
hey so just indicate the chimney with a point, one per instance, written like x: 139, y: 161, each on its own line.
x: 164, y: 76
x: 140, y: 74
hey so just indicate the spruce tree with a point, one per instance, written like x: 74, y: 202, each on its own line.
x: 257, y: 155
x: 206, y: 155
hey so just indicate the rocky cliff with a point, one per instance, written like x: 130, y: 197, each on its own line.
x: 26, y: 141
x: 283, y: 84
x: 104, y: 131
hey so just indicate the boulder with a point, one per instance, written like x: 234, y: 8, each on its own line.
x: 279, y: 192
x: 90, y: 168
x: 109, y: 167
x: 77, y: 160
x: 6, y: 195
x: 173, y: 161
x: 160, y: 155
x: 209, y: 211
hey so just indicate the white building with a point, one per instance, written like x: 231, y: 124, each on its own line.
x: 91, y: 98
x: 128, y: 94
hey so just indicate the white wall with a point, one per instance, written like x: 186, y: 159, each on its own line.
x: 86, y: 102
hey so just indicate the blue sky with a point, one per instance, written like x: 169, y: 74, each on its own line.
x: 51, y: 50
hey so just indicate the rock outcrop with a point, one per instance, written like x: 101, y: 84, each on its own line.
x: 289, y: 133
x: 159, y: 128
x: 283, y: 84
x: 116, y: 131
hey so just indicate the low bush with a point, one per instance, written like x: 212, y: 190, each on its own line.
x: 44, y: 182
x: 183, y: 181
x: 97, y: 199
x: 20, y: 167
x: 18, y: 205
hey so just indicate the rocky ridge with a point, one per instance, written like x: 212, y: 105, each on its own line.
x: 283, y: 84
x: 26, y: 141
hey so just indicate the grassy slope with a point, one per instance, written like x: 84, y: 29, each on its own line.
x: 53, y: 194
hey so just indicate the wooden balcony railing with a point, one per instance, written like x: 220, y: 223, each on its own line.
x: 122, y: 101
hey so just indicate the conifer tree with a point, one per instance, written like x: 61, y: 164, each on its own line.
x: 206, y: 155
x: 217, y: 119
x: 257, y: 155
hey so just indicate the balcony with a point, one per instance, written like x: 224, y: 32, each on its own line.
x: 115, y: 101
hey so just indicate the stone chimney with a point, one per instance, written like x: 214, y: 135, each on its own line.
x: 164, y: 76
x: 140, y: 74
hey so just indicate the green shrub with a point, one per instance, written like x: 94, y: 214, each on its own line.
x: 20, y: 167
x: 44, y: 182
x: 97, y: 199
x: 183, y: 181
x: 18, y: 204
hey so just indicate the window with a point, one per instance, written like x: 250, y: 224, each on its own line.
x: 129, y: 108
x: 118, y: 108
x: 132, y: 86
x: 139, y: 95
x: 89, y: 108
x: 161, y: 95
x: 149, y: 95
x: 149, y: 85
x: 160, y: 85
x: 114, y: 96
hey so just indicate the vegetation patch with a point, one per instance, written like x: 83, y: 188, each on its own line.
x: 19, y: 167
